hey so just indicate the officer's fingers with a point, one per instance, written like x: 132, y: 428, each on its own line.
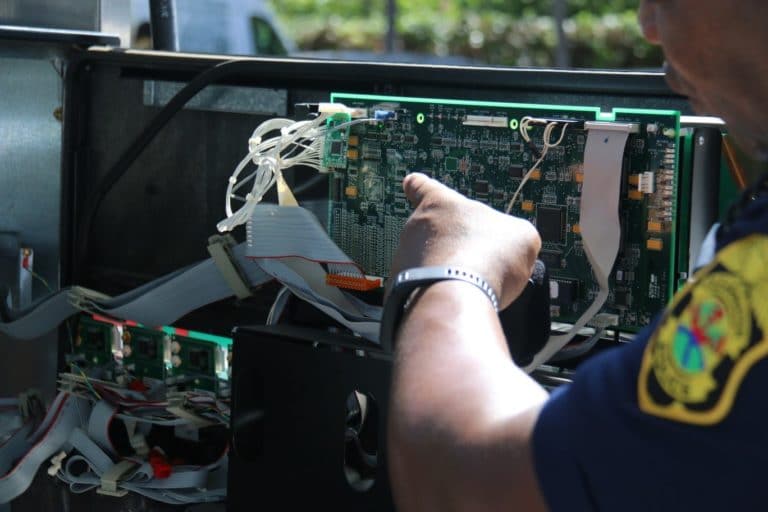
x: 417, y: 186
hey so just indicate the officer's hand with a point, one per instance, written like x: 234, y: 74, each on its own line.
x: 449, y: 229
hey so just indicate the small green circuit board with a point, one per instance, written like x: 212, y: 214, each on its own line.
x: 146, y: 352
x: 181, y: 358
x: 198, y: 364
x: 476, y: 148
x: 94, y: 341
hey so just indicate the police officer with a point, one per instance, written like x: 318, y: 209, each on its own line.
x: 675, y: 420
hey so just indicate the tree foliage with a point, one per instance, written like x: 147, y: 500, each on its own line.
x: 601, y: 33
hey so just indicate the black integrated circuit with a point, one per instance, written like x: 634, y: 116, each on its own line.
x: 516, y: 171
x: 550, y: 221
x: 567, y: 292
x: 336, y: 147
x: 198, y: 360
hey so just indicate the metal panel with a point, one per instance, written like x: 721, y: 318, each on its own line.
x: 79, y: 15
x: 116, y: 19
x: 218, y: 98
x: 30, y: 191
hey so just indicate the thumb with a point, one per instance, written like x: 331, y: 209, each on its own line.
x: 417, y: 186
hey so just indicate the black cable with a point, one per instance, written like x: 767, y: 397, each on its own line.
x: 118, y: 170
x: 578, y: 349
x: 162, y: 16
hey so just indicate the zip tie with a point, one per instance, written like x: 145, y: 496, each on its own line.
x: 56, y: 463
x: 220, y: 248
x: 111, y: 478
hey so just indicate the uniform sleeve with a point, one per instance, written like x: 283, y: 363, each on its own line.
x: 595, y: 448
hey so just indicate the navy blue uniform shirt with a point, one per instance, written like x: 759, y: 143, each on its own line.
x: 677, y: 419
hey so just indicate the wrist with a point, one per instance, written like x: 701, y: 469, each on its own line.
x: 452, y: 297
x: 445, y: 313
x: 407, y: 282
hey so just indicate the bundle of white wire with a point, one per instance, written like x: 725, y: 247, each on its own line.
x: 525, y: 124
x: 298, y: 143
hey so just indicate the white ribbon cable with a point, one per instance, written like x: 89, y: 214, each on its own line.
x: 599, y: 219
x: 62, y: 418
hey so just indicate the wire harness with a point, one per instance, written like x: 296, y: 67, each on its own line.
x: 296, y: 143
x: 549, y: 128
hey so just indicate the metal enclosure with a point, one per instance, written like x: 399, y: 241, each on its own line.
x: 160, y: 213
x: 31, y: 102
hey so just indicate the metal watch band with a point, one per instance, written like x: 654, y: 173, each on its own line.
x: 409, y: 280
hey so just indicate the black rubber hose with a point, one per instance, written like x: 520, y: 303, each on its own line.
x: 210, y: 76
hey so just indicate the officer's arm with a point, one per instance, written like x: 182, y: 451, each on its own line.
x: 462, y: 414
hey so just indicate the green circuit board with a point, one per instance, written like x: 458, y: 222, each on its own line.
x: 183, y: 359
x: 200, y: 364
x: 476, y: 148
x: 146, y: 352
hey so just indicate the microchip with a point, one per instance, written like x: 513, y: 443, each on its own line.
x: 481, y: 187
x: 198, y: 360
x: 145, y: 347
x: 550, y: 259
x: 516, y: 171
x: 337, y: 189
x: 93, y: 338
x: 336, y: 147
x: 622, y: 298
x: 551, y: 224
x: 567, y: 292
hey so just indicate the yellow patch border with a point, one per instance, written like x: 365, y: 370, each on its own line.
x: 675, y: 411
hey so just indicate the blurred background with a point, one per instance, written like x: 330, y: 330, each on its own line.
x: 549, y: 33
x: 564, y: 33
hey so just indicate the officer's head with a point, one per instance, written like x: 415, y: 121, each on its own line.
x: 717, y: 54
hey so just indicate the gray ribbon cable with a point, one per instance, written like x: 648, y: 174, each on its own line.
x: 160, y: 302
x: 283, y: 242
x: 187, y: 484
x: 598, y: 218
x: 14, y: 448
x: 65, y: 414
x: 98, y: 425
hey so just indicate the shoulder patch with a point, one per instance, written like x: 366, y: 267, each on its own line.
x: 714, y: 331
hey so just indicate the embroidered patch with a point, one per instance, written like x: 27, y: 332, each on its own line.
x: 711, y: 335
